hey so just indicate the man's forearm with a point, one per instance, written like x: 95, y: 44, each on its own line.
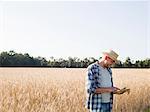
x: 103, y: 90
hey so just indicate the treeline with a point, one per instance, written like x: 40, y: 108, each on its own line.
x: 13, y: 59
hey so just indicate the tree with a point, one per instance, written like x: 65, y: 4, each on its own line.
x: 12, y: 58
x: 146, y: 63
x: 43, y: 61
x: 4, y: 59
x: 127, y: 63
x: 118, y: 64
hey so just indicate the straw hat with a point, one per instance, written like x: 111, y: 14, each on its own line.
x: 112, y: 54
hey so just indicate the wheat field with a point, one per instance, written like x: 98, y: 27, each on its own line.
x: 63, y: 90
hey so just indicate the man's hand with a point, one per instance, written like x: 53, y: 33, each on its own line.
x: 122, y: 91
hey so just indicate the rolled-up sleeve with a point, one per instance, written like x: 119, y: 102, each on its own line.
x: 90, y: 81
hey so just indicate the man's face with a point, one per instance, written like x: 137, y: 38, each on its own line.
x: 109, y: 61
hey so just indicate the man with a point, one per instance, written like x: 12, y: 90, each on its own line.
x: 99, y: 84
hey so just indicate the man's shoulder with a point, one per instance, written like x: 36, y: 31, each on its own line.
x: 93, y: 66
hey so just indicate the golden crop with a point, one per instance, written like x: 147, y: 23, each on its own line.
x: 63, y: 90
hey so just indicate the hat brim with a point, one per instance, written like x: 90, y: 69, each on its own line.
x: 105, y: 53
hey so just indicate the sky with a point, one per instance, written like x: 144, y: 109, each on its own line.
x: 75, y: 28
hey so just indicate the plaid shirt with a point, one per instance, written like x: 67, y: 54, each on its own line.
x: 93, y: 100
